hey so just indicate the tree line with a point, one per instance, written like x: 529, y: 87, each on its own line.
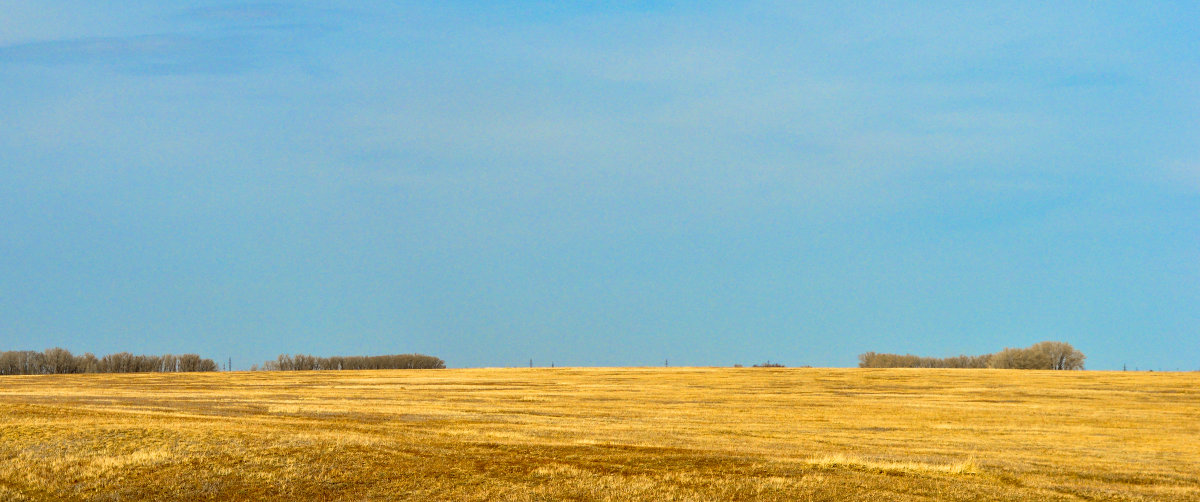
x: 59, y: 361
x: 1039, y: 356
x: 304, y: 362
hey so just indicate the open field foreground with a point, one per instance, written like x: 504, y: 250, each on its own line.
x: 607, y: 434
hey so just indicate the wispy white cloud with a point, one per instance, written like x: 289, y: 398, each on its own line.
x: 215, y: 40
x: 148, y: 54
x: 253, y: 12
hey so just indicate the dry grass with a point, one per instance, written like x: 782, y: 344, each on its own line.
x: 603, y: 434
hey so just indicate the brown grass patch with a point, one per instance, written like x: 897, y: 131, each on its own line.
x: 603, y: 434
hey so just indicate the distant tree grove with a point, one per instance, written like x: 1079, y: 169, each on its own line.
x: 302, y: 362
x: 1039, y: 356
x: 59, y: 361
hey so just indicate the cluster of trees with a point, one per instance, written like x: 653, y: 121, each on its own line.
x: 59, y: 360
x: 1039, y: 356
x: 876, y: 360
x: 388, y: 362
x: 1042, y: 356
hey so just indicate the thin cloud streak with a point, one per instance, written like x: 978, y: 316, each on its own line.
x: 210, y: 40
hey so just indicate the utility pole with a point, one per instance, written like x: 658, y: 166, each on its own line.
x: 531, y: 362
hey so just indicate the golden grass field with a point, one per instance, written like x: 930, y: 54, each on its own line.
x: 603, y: 434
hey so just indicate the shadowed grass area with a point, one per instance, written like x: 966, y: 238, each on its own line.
x: 603, y: 434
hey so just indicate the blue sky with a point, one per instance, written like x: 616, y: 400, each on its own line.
x: 601, y: 184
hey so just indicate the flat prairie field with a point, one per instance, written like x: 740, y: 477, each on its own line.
x: 602, y: 434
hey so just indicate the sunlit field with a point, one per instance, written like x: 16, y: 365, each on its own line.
x: 603, y: 434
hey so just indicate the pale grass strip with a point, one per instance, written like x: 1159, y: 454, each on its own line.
x: 968, y: 466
